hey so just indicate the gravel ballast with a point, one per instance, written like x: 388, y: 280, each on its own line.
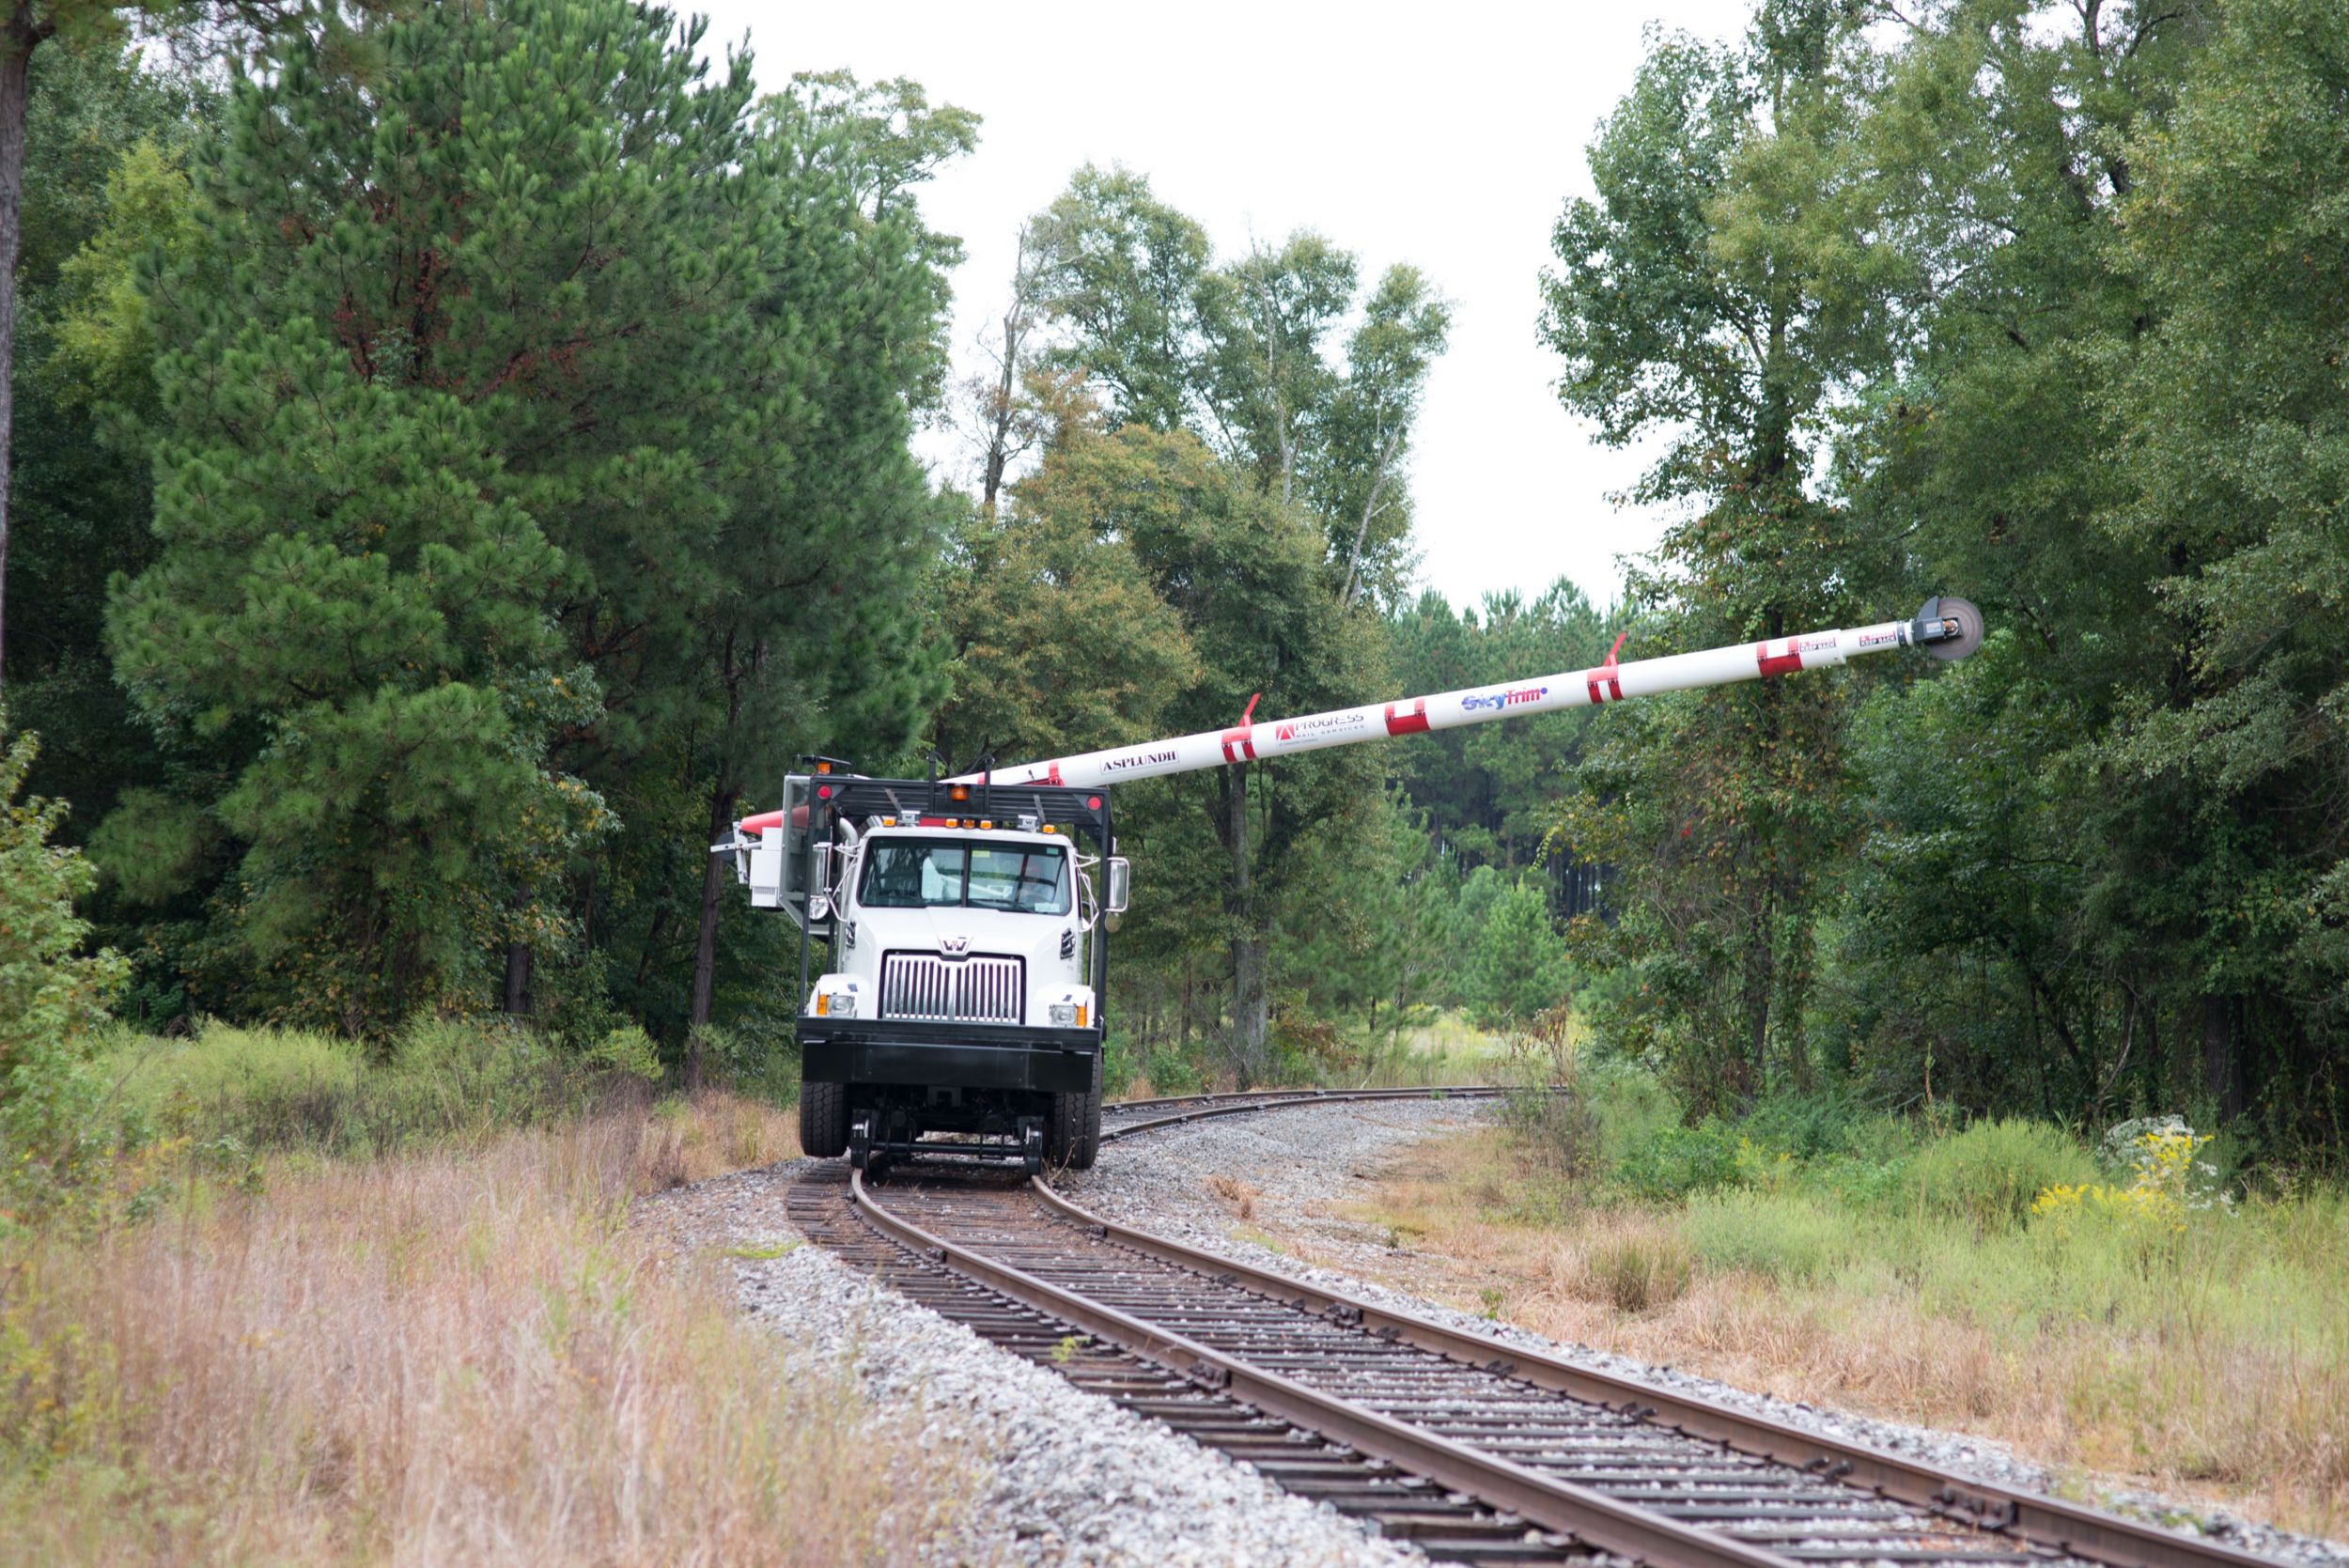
x: 1292, y: 1163
x: 1064, y: 1477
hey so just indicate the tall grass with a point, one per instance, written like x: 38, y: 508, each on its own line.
x: 457, y: 1355
x: 272, y: 1089
x: 1988, y: 1173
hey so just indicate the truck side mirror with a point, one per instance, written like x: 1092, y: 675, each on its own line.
x: 819, y: 882
x: 1121, y: 884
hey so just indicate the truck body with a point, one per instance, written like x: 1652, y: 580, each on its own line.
x: 954, y: 954
x: 954, y: 934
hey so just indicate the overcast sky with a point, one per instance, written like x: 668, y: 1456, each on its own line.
x: 1447, y: 136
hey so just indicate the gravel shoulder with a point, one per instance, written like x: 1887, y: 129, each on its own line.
x: 1262, y: 1188
x: 1058, y: 1476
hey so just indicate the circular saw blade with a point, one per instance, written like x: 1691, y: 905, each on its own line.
x: 1969, y: 636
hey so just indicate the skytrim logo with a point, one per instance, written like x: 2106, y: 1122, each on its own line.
x: 1515, y: 697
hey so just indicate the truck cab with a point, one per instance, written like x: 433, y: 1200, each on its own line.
x: 953, y: 946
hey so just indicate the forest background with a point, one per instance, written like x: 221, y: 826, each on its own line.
x: 463, y: 454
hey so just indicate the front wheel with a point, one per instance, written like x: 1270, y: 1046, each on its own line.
x: 1072, y: 1125
x: 824, y: 1120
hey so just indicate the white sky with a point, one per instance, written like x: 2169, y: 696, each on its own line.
x: 1447, y: 136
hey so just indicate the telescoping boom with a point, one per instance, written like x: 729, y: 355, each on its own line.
x: 1945, y: 627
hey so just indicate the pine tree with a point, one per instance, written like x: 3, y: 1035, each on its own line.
x: 535, y: 481
x: 441, y: 390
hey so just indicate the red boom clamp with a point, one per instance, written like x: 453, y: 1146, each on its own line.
x: 1606, y: 682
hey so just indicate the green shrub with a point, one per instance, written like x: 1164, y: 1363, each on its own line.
x: 1776, y: 1236
x: 628, y: 1049
x: 57, y: 1137
x: 1172, y: 1073
x: 1673, y: 1163
x: 756, y: 1063
x: 1631, y: 1105
x: 1856, y: 1181
x: 214, y: 1074
x: 1823, y: 1126
x: 1990, y: 1172
x: 287, y: 1089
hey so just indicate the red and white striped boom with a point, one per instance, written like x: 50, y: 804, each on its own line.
x: 1945, y: 627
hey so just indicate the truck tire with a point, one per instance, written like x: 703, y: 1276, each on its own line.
x: 824, y: 1120
x: 1089, y: 1137
x: 1064, y: 1119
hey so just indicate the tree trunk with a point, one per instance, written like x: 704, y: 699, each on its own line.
x: 2222, y: 1066
x: 16, y: 58
x: 1000, y: 417
x: 1249, y: 1005
x: 721, y: 799
x: 1794, y: 986
x: 1744, y: 1077
x: 518, y: 964
x: 1251, y: 1010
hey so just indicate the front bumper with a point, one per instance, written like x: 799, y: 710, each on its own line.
x: 947, y: 1055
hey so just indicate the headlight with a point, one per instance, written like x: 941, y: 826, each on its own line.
x: 836, y: 1005
x: 1064, y: 1014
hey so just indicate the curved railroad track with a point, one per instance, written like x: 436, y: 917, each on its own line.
x: 1478, y: 1450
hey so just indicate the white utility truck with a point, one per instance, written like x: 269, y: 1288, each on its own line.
x: 963, y: 924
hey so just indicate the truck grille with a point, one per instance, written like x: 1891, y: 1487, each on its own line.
x: 980, y: 990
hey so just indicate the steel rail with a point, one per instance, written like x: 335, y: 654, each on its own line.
x: 1210, y: 1106
x: 1588, y: 1516
x: 2066, y: 1526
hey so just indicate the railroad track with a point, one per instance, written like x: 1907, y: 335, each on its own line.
x: 1477, y: 1450
x: 1127, y: 1118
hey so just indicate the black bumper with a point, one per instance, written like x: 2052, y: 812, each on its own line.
x: 947, y: 1055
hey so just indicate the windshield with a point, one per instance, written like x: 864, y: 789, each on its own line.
x: 914, y: 873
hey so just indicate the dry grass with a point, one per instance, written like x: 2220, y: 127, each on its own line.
x: 448, y: 1357
x: 1632, y: 1268
x: 709, y: 1135
x: 1235, y: 1195
x: 2215, y: 1364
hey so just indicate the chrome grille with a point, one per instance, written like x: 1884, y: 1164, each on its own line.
x: 981, y: 989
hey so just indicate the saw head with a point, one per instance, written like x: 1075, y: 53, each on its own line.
x: 1948, y: 627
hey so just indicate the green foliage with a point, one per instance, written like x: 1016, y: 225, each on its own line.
x: 1518, y: 967
x: 1241, y: 355
x: 206, y: 1076
x: 2029, y: 309
x: 1778, y: 1237
x: 521, y: 507
x: 278, y: 1090
x: 628, y: 1050
x: 1062, y: 641
x: 1690, y: 298
x: 106, y: 139
x: 1988, y: 1174
x: 2234, y: 416
x: 55, y: 1132
x: 1675, y: 1161
x: 1381, y: 946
